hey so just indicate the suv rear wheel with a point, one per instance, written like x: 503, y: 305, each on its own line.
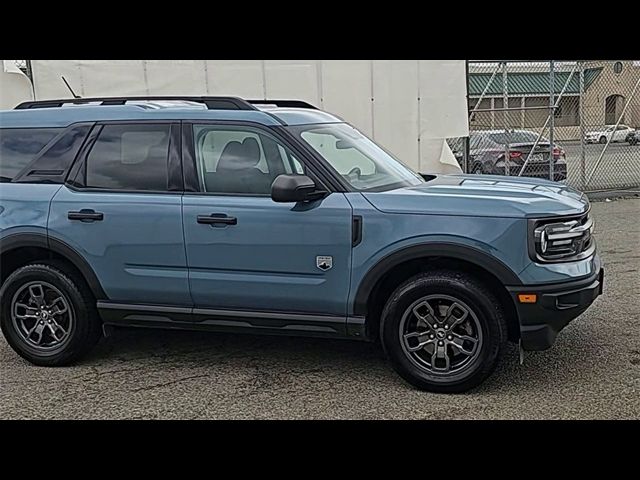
x: 443, y: 331
x: 47, y: 315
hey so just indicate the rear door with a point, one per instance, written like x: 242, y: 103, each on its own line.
x: 121, y: 210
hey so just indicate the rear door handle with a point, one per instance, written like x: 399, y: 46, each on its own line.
x: 86, y: 215
x: 217, y: 218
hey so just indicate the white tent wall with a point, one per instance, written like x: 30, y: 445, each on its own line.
x: 15, y: 86
x: 408, y: 106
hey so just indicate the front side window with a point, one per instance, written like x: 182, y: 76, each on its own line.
x: 240, y: 160
x: 362, y: 163
x: 129, y: 157
x: 19, y: 146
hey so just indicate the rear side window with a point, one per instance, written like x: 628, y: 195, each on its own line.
x: 19, y: 146
x: 129, y: 157
x: 52, y: 163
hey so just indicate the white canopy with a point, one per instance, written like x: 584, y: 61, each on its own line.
x: 409, y: 106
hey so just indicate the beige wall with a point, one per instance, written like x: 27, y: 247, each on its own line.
x: 610, y: 83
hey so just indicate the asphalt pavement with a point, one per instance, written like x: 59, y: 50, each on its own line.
x: 593, y: 371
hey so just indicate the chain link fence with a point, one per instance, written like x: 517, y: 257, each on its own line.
x: 570, y: 121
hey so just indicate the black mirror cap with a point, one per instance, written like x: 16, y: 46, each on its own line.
x: 295, y: 188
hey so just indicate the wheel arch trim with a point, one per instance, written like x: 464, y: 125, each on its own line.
x: 19, y: 240
x: 430, y: 250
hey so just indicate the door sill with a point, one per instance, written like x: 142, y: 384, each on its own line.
x: 241, y: 321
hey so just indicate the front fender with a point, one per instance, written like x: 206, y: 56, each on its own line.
x: 453, y: 248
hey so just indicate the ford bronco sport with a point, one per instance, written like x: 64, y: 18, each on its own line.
x: 217, y: 213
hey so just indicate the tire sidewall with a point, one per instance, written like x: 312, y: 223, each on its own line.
x: 482, y: 307
x: 79, y: 327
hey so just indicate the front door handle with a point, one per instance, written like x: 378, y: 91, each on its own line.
x: 86, y: 215
x: 217, y: 218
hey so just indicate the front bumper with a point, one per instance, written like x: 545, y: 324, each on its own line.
x: 556, y: 306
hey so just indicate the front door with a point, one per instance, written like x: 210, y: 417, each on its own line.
x: 122, y: 213
x: 247, y: 253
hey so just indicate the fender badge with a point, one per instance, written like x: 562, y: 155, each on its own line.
x: 324, y: 262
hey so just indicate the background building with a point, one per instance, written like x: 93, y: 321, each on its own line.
x: 605, y: 89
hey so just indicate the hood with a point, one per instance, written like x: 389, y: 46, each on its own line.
x: 482, y: 195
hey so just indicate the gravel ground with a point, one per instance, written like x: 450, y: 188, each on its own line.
x: 593, y: 371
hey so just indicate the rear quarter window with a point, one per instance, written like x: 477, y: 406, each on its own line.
x: 19, y: 146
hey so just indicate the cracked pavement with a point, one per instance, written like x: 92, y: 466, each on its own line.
x: 593, y: 371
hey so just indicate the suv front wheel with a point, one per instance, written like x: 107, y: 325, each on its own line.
x: 48, y: 314
x: 443, y: 331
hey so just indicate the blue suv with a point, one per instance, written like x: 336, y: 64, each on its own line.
x: 218, y: 213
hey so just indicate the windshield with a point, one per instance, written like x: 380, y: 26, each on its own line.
x: 362, y: 163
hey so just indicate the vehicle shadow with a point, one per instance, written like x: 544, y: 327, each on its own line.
x: 576, y: 351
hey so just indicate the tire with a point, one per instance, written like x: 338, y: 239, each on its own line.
x: 485, y: 320
x: 603, y: 139
x: 51, y: 344
x: 476, y: 169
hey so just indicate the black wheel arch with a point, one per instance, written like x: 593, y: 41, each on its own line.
x: 60, y: 249
x: 441, y: 250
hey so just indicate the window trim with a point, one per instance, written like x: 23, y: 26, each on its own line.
x: 192, y: 183
x: 175, y: 183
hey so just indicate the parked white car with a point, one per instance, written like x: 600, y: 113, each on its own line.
x: 602, y: 136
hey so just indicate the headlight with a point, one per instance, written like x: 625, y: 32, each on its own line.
x: 543, y: 241
x: 561, y: 241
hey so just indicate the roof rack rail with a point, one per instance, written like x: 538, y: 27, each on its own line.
x: 212, y: 103
x: 284, y: 103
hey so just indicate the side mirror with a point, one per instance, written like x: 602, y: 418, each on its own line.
x: 295, y: 188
